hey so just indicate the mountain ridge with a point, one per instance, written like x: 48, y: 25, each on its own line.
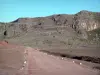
x: 61, y: 27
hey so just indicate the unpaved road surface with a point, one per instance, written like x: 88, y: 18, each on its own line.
x: 11, y: 58
x: 39, y: 63
x: 20, y: 60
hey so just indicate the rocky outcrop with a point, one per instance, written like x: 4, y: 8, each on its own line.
x: 86, y: 20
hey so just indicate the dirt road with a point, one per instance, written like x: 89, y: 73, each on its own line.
x: 39, y: 63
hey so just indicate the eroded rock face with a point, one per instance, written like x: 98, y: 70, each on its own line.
x: 86, y: 20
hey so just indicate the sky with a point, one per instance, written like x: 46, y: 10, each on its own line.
x: 10, y: 10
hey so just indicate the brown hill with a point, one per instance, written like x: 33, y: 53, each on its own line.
x: 61, y: 30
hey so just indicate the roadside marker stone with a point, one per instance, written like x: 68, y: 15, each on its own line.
x: 80, y: 63
x: 73, y: 61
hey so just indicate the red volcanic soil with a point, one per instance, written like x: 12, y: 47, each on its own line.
x: 3, y: 43
x: 11, y: 58
x: 13, y: 62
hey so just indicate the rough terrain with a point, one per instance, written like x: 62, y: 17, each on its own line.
x: 76, y: 35
x: 55, y: 31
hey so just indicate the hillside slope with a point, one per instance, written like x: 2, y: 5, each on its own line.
x: 56, y: 31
